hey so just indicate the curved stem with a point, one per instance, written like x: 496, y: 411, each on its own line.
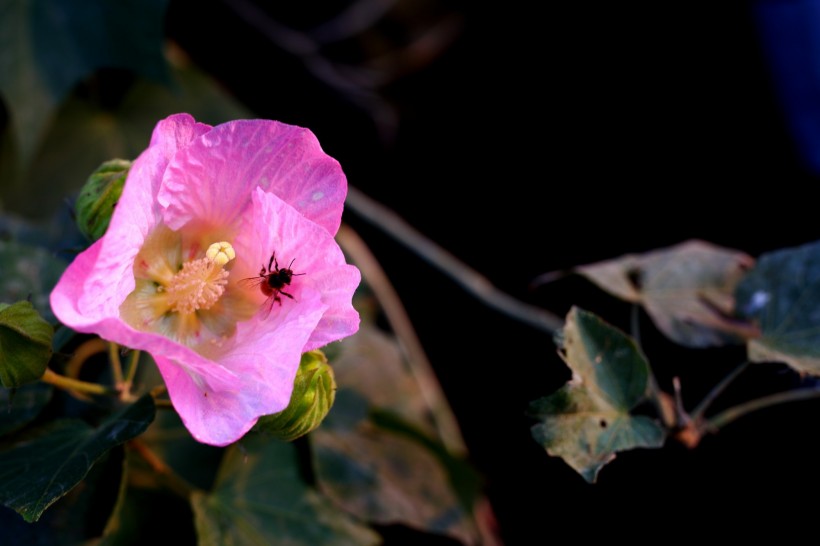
x: 166, y: 474
x: 116, y: 363
x: 468, y: 278
x: 131, y: 370
x: 700, y: 410
x: 69, y: 384
x: 724, y: 418
x: 418, y: 362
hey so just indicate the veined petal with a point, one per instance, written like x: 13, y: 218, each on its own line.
x: 257, y: 187
x: 264, y: 359
x: 98, y: 281
x: 340, y: 319
x: 274, y: 226
x: 213, y: 177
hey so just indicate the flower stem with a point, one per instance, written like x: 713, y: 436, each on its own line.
x: 130, y: 373
x: 700, y: 410
x: 418, y: 362
x: 724, y: 418
x: 167, y: 476
x: 77, y: 385
x: 116, y: 363
x: 468, y: 278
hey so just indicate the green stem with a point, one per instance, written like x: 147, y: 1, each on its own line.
x: 69, y: 384
x: 729, y: 415
x: 700, y: 410
x: 131, y: 370
x: 116, y: 363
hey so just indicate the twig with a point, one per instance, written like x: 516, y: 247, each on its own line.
x: 468, y: 278
x: 731, y: 414
x: 420, y: 366
x: 700, y: 410
x: 76, y: 385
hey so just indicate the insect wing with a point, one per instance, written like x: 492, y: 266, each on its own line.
x: 264, y: 312
x: 251, y: 282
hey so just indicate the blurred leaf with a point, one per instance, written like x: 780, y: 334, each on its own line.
x: 48, y: 46
x: 29, y: 273
x: 77, y: 518
x: 372, y: 364
x: 140, y: 502
x: 84, y: 135
x: 383, y: 476
x: 396, y: 471
x: 782, y: 293
x: 19, y: 407
x: 49, y: 462
x: 687, y: 289
x: 260, y: 498
x: 25, y: 344
x: 168, y: 438
x: 589, y: 419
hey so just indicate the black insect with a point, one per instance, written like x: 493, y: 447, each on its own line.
x: 272, y: 281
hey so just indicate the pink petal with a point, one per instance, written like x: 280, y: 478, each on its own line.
x: 275, y: 226
x: 98, y: 281
x: 263, y: 357
x: 341, y: 319
x: 214, y: 177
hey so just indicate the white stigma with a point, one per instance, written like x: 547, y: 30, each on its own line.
x: 220, y: 253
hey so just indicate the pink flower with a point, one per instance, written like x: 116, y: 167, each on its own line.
x: 162, y: 278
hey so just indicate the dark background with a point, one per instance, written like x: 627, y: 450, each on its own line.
x: 540, y: 138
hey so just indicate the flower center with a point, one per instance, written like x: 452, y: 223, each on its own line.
x: 185, y: 294
x: 200, y: 283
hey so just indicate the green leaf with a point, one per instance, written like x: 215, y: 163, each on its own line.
x: 782, y: 293
x: 686, y: 289
x: 386, y: 476
x: 25, y: 344
x: 19, y: 407
x: 77, y: 518
x: 28, y: 273
x: 48, y: 46
x: 49, y: 462
x: 260, y: 498
x: 84, y: 135
x: 591, y: 418
x: 378, y: 453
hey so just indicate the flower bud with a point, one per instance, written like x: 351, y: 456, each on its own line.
x: 99, y: 196
x: 314, y: 391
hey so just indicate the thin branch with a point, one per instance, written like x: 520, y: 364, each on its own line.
x: 116, y: 363
x: 700, y: 410
x: 468, y: 278
x: 419, y: 364
x: 76, y: 385
x: 165, y: 473
x: 731, y: 414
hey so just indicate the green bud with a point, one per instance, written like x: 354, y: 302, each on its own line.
x: 99, y: 196
x: 314, y: 391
